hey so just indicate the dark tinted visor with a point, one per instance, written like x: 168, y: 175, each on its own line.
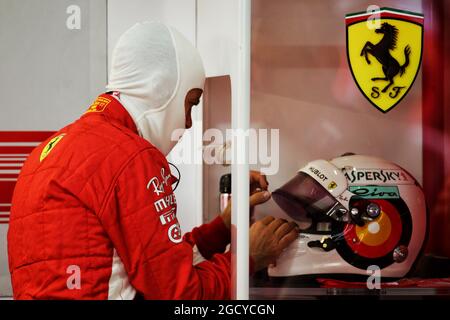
x: 303, y: 198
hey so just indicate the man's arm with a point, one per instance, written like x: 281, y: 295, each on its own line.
x: 210, y: 238
x: 140, y: 219
x: 215, y: 236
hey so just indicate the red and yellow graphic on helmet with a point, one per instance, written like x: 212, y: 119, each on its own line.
x: 376, y: 238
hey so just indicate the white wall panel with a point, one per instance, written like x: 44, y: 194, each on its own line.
x: 49, y: 74
x: 218, y: 23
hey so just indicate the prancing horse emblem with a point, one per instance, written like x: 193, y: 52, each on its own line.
x: 384, y: 50
x: 381, y: 51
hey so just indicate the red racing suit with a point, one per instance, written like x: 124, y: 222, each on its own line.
x: 94, y: 217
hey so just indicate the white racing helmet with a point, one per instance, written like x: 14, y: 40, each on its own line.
x: 359, y: 211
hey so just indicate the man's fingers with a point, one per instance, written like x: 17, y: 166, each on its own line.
x: 285, y: 229
x: 258, y: 180
x: 267, y: 220
x: 288, y: 238
x: 274, y: 225
x: 259, y: 197
x: 263, y: 183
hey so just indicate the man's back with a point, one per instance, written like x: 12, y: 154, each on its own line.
x: 54, y: 233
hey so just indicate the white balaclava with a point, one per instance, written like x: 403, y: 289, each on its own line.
x: 153, y: 68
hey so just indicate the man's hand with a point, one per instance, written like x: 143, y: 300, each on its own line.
x: 258, y: 195
x: 268, y: 238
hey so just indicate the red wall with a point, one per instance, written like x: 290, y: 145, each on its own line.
x: 436, y: 123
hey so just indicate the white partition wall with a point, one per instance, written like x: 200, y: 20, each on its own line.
x: 218, y: 27
x: 52, y: 65
x: 224, y: 40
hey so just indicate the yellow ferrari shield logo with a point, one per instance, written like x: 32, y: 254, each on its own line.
x: 49, y: 147
x: 332, y: 185
x: 384, y: 50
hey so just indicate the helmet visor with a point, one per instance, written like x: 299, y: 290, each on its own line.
x: 303, y: 198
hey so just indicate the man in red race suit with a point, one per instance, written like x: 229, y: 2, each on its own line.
x: 94, y: 214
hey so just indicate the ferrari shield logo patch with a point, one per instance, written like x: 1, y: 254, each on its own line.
x: 384, y: 50
x: 50, y: 145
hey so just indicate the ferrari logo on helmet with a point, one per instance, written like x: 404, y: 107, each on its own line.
x: 332, y: 185
x: 384, y: 51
